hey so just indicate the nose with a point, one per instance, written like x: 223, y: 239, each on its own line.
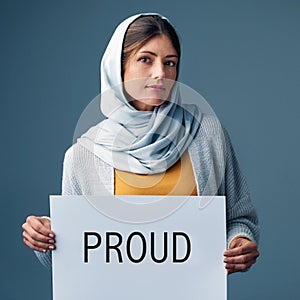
x: 159, y: 70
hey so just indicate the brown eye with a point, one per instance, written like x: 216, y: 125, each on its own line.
x: 170, y: 63
x: 145, y: 59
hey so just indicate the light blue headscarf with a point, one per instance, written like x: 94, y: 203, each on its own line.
x: 140, y: 142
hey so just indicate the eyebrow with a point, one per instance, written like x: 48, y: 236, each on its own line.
x: 154, y: 54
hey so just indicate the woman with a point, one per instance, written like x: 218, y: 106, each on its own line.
x: 149, y: 132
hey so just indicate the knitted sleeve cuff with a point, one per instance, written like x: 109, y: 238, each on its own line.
x: 45, y: 258
x: 239, y: 231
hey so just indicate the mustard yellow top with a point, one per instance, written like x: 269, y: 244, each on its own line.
x: 177, y: 180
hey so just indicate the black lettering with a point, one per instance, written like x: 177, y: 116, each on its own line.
x: 87, y: 247
x: 113, y: 247
x: 165, y: 248
x: 144, y: 247
x: 188, y: 247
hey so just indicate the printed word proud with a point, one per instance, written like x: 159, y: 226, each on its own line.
x: 114, y: 242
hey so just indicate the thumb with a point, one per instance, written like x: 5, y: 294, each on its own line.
x: 46, y: 221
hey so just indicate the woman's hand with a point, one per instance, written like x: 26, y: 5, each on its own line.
x: 37, y: 234
x: 241, y: 255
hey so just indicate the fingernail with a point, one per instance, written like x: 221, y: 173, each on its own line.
x: 51, y: 235
x: 51, y: 241
x: 51, y: 247
x: 44, y: 250
x: 226, y: 260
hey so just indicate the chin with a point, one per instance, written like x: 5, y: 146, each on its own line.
x: 147, y: 104
x: 154, y: 102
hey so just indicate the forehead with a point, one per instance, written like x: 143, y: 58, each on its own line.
x: 161, y: 44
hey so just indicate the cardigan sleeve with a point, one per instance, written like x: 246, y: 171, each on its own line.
x: 69, y: 187
x: 70, y: 184
x: 241, y: 215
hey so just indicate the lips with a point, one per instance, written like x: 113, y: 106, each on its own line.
x: 157, y: 87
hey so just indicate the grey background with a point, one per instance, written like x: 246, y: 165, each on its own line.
x: 242, y: 56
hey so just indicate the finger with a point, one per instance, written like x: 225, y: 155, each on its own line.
x: 39, y: 226
x: 241, y: 259
x: 33, y: 247
x: 42, y: 225
x: 247, y: 248
x: 35, y: 235
x: 41, y: 245
x: 230, y: 271
x: 239, y: 267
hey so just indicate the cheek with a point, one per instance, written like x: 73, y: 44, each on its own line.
x: 135, y: 87
x: 133, y: 72
x: 171, y: 73
x: 134, y: 81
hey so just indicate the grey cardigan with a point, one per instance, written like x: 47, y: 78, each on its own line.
x: 215, y: 168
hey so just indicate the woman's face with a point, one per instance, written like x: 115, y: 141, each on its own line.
x: 150, y: 72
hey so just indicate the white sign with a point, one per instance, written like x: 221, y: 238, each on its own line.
x: 140, y: 248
